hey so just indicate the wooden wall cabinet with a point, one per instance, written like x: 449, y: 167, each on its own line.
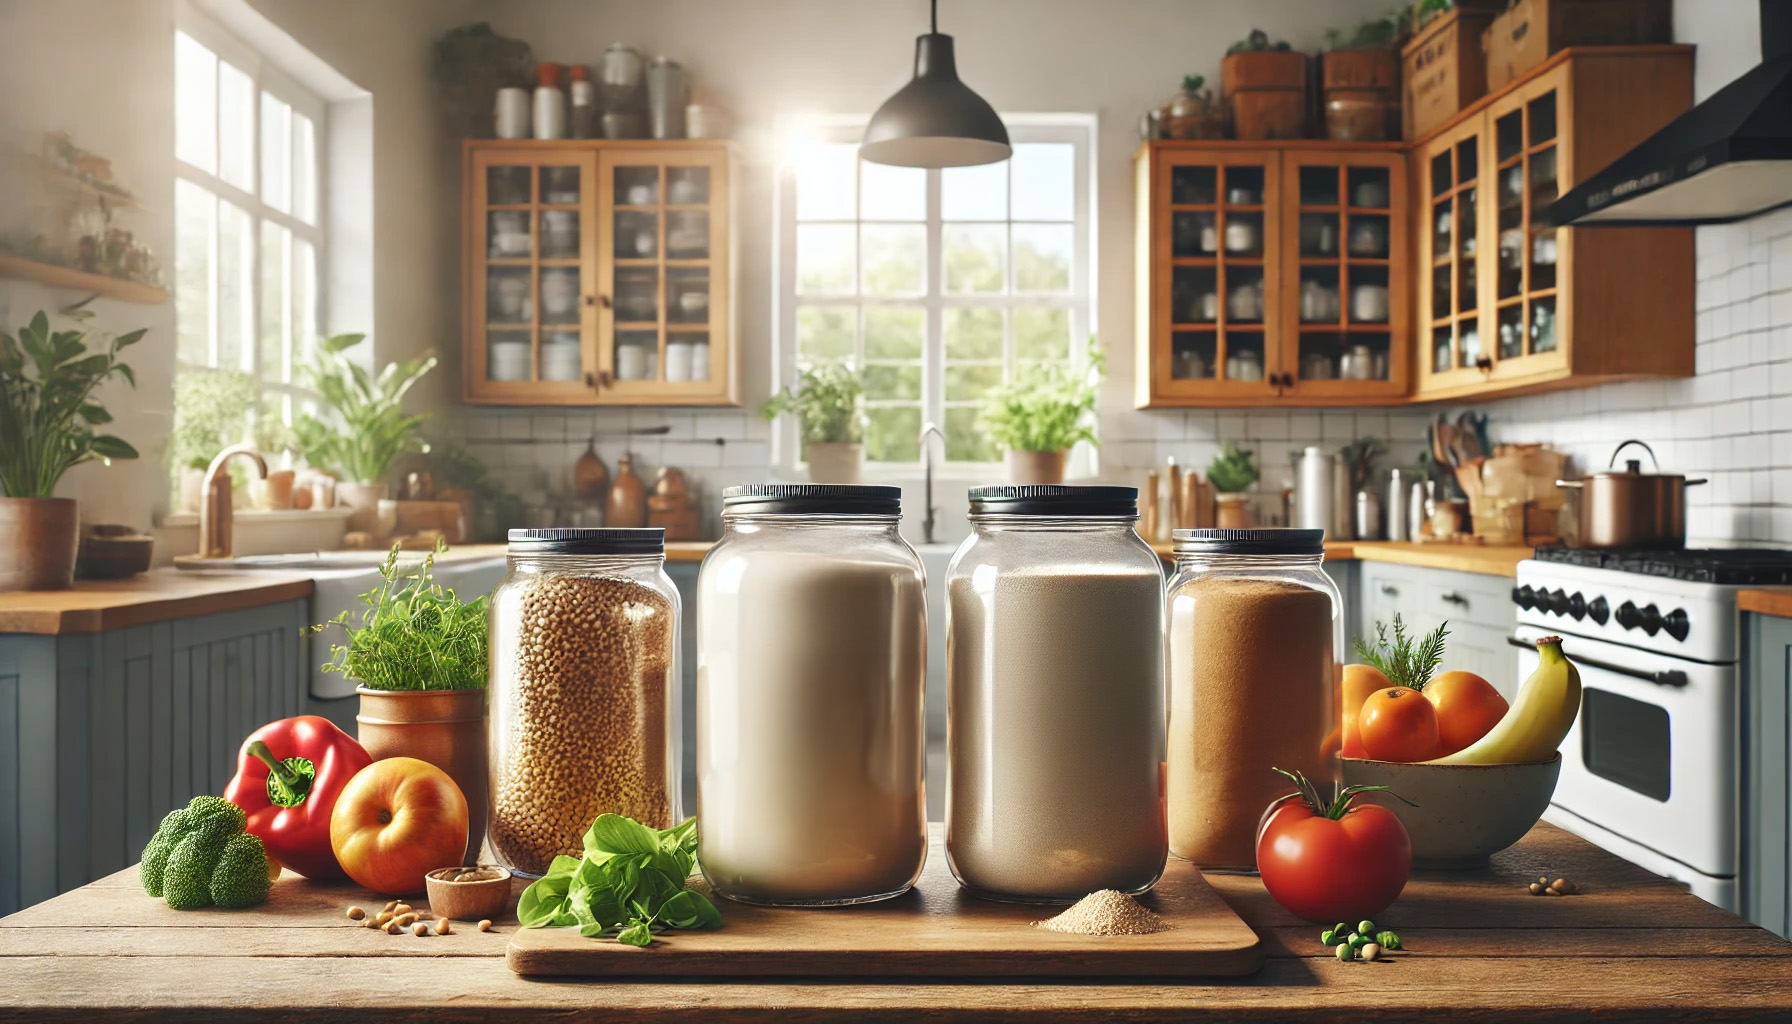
x: 1271, y: 274
x: 599, y: 273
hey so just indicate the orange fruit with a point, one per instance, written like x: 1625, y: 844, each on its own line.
x: 1467, y: 707
x: 1359, y: 682
x: 1398, y: 724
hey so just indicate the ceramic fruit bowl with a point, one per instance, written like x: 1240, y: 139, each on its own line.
x: 468, y: 893
x: 1466, y: 812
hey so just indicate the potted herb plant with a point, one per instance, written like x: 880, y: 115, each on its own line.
x: 419, y: 658
x: 1035, y: 420
x: 47, y: 421
x: 211, y: 412
x: 367, y: 428
x: 1232, y: 473
x: 829, y: 403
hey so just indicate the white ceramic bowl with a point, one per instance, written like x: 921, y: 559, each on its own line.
x: 1466, y: 812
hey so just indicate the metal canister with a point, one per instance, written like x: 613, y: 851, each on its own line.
x: 1415, y: 511
x: 1368, y: 515
x: 668, y: 93
x: 1341, y: 527
x: 1313, y: 490
x: 1397, y: 521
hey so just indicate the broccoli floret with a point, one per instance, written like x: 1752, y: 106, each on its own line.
x: 187, y: 881
x: 203, y: 809
x: 189, y: 848
x: 241, y: 877
x: 155, y: 855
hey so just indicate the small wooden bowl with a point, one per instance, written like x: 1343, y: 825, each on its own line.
x: 471, y: 900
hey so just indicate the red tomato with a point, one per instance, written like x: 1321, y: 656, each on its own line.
x: 1467, y: 706
x: 395, y: 820
x: 1330, y: 870
x: 1398, y: 724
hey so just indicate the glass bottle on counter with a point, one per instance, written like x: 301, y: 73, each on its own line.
x: 1054, y: 684
x: 811, y: 674
x: 1253, y: 632
x: 584, y: 690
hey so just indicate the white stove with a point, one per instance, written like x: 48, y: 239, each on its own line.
x: 1650, y: 769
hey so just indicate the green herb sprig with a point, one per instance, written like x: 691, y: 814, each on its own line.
x: 630, y: 884
x: 1404, y: 661
x: 415, y: 634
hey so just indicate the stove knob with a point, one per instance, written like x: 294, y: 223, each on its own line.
x: 1599, y: 610
x: 1677, y: 624
x: 1651, y: 619
x: 1577, y: 606
x: 1558, y: 602
x: 1628, y: 616
x: 1524, y: 596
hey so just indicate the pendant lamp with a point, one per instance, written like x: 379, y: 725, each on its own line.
x: 935, y: 120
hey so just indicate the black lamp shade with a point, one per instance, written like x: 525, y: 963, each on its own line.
x: 935, y: 120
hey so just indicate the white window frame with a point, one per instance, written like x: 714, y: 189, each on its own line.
x: 1078, y: 130
x: 264, y: 76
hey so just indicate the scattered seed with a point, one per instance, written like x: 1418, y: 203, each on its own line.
x: 390, y: 906
x: 1387, y: 940
x: 356, y: 913
x: 393, y: 928
x: 1345, y: 952
x: 1562, y: 885
x: 485, y: 925
x: 444, y: 927
x: 1537, y: 889
x: 1371, y: 952
x: 402, y: 909
x: 371, y: 923
x: 1328, y: 938
x: 1543, y: 880
x: 405, y: 920
x: 420, y: 929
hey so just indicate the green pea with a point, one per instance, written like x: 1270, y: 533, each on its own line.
x: 1341, y: 929
x: 1328, y: 937
x: 1346, y: 952
x: 1358, y: 941
x: 1366, y: 927
x: 1388, y: 940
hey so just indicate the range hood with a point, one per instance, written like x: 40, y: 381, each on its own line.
x: 1727, y: 159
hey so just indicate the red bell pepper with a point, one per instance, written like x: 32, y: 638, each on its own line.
x: 288, y: 777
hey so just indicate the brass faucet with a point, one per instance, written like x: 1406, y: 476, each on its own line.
x: 214, y: 509
x: 927, y: 520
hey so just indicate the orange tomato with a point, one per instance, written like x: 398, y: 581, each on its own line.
x: 1467, y: 706
x: 395, y: 820
x: 1398, y: 724
x: 1359, y: 682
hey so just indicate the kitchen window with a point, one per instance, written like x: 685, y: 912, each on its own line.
x: 249, y: 235
x: 937, y: 285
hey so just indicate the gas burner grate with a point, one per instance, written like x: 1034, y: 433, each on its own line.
x: 1729, y: 566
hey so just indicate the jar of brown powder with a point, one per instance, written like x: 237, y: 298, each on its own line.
x: 1253, y: 626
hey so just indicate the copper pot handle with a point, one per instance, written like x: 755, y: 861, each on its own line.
x: 1695, y: 481
x: 1614, y: 460
x: 1576, y: 484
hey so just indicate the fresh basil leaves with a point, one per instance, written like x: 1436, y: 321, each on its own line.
x: 629, y: 884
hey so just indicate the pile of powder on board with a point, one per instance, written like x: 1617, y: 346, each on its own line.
x: 1105, y: 912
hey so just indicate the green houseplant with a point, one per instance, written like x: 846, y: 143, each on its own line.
x: 1036, y: 418
x: 367, y: 427
x: 47, y: 421
x: 419, y: 656
x: 1232, y: 473
x: 829, y: 404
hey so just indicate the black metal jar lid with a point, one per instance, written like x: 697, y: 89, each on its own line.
x: 813, y: 500
x: 1055, y: 500
x: 607, y: 540
x: 1267, y: 541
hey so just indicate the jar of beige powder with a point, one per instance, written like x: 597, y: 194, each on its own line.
x: 1253, y: 634
x: 811, y: 671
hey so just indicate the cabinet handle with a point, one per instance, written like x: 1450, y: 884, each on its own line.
x: 603, y: 378
x: 604, y: 301
x: 1454, y: 598
x: 1484, y: 364
x: 1389, y: 590
x: 590, y: 300
x: 590, y: 379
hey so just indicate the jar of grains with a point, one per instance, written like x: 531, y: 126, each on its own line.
x: 584, y: 717
x: 1055, y: 696
x: 1254, y: 629
x: 811, y: 674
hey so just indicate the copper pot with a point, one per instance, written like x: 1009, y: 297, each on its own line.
x: 1629, y: 508
x: 445, y: 728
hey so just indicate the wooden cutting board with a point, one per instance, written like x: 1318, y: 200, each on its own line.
x: 935, y: 930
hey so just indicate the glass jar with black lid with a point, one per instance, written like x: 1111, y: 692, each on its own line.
x: 1055, y: 696
x: 811, y: 675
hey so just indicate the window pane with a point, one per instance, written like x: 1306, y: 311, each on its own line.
x: 1044, y: 181
x: 304, y: 169
x: 974, y: 193
x: 304, y: 305
x: 276, y: 152
x: 892, y: 332
x: 195, y: 103
x: 973, y: 258
x: 1042, y: 334
x: 824, y: 259
x: 892, y: 193
x: 195, y: 213
x: 1042, y: 257
x: 236, y: 126
x: 894, y: 259
x: 825, y: 181
x: 964, y: 438
x: 892, y: 381
x: 970, y: 382
x: 276, y: 276
x: 824, y: 334
x: 236, y: 287
x: 973, y: 334
x: 893, y: 433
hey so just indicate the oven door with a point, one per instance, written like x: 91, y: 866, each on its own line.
x: 1652, y: 755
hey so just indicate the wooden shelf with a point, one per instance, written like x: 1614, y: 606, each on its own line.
x: 80, y: 280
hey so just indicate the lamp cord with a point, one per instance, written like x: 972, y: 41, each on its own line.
x: 936, y: 17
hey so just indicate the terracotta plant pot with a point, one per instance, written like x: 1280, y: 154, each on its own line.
x: 1034, y: 467
x: 1234, y: 512
x: 365, y: 500
x: 445, y: 728
x: 835, y: 462
x: 38, y: 540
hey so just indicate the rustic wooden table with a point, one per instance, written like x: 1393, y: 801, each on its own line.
x: 1481, y: 948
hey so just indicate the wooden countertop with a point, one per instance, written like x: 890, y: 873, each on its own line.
x: 1766, y: 601
x: 1475, y: 558
x: 93, y: 606
x: 1479, y: 947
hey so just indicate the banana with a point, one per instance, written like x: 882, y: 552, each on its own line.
x: 1534, y: 726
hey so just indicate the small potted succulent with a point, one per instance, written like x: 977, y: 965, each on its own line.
x: 1232, y: 473
x: 367, y: 428
x: 419, y: 656
x: 829, y: 403
x: 1192, y: 112
x: 1037, y: 419
x: 47, y: 421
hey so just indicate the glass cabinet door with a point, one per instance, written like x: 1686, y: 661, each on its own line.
x: 1525, y: 134
x: 1451, y: 258
x: 663, y: 271
x: 1219, y: 231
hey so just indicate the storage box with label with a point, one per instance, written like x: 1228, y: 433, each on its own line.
x: 1530, y: 30
x: 1442, y: 69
